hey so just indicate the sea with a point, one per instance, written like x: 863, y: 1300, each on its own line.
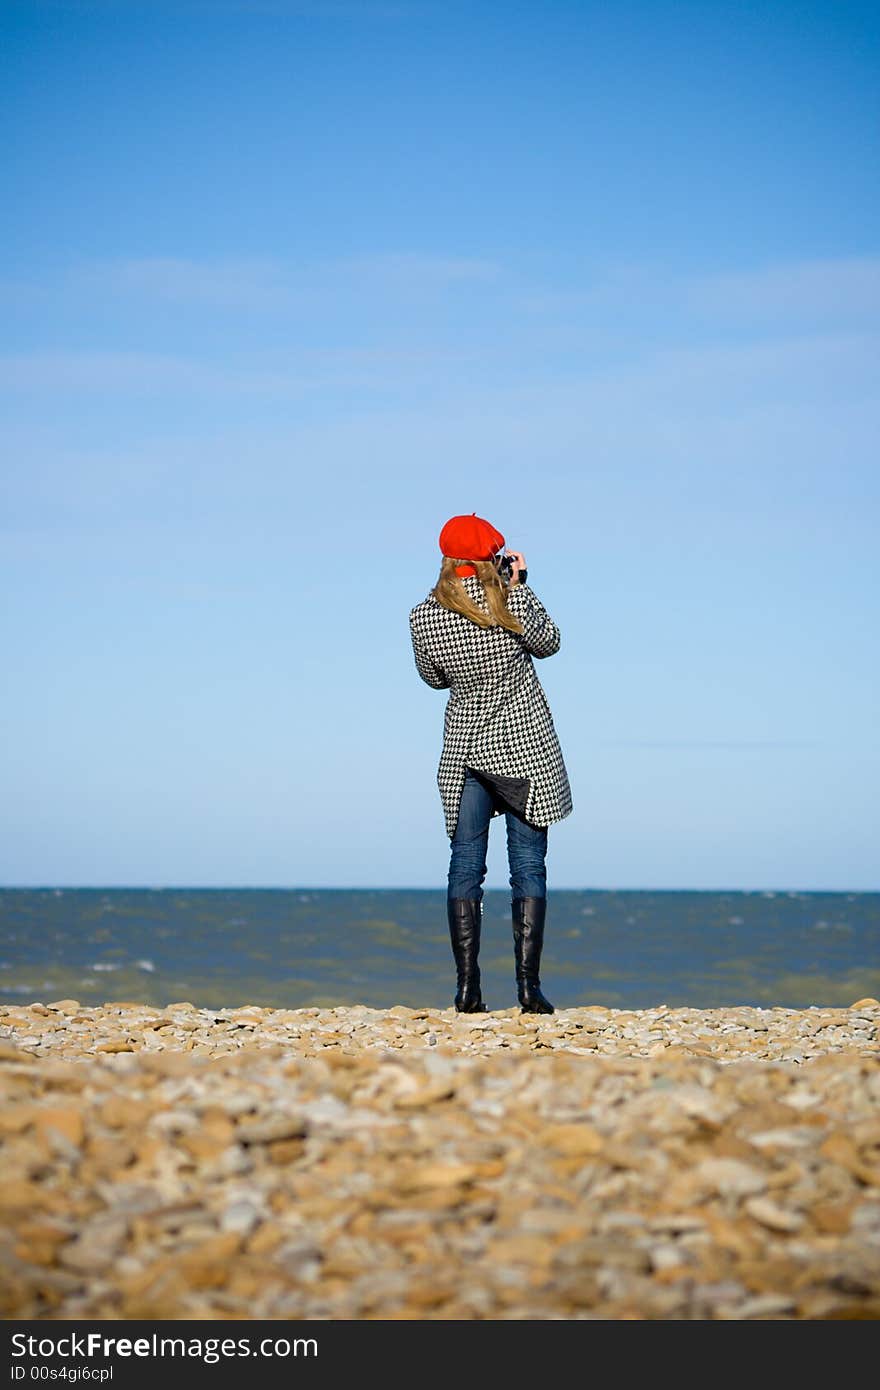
x: 322, y: 947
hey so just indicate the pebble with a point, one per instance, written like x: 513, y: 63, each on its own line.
x: 413, y: 1163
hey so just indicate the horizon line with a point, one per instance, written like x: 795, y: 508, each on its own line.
x: 384, y: 888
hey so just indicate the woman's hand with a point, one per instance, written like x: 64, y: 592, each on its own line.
x: 519, y: 563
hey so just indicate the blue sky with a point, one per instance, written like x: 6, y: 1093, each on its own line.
x: 285, y: 285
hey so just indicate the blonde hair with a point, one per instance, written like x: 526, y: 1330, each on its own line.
x: 451, y: 593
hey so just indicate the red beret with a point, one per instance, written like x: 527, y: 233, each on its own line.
x: 470, y: 538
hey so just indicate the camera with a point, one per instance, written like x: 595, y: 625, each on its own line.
x: 505, y: 569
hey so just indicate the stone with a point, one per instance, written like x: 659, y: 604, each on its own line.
x: 273, y: 1128
x: 834, y: 1218
x: 119, y: 1111
x: 572, y: 1140
x: 597, y: 1163
x: 839, y: 1148
x: 65, y: 1120
x: 207, y: 1265
x: 771, y: 1214
x: 241, y: 1217
x: 730, y: 1177
x: 425, y: 1096
x: 98, y: 1246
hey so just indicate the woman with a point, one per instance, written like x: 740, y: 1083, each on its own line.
x: 475, y: 635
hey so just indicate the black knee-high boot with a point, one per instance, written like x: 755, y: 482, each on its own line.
x: 528, y: 940
x: 465, y: 918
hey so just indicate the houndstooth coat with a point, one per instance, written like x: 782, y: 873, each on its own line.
x: 497, y: 720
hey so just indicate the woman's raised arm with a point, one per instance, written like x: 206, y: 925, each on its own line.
x: 540, y: 634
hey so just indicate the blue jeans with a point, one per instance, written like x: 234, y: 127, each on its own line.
x: 526, y: 848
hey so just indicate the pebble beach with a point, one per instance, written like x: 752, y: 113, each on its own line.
x: 358, y: 1163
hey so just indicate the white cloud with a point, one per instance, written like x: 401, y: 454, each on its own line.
x: 263, y: 284
x: 837, y: 290
x: 130, y: 372
x: 412, y: 269
x: 245, y: 284
x: 613, y: 311
x: 732, y: 744
x: 138, y: 374
x: 788, y: 297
